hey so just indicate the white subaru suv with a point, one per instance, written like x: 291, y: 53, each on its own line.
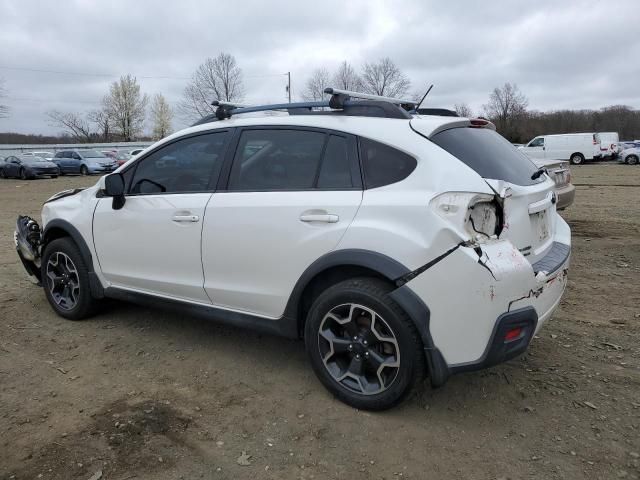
x: 396, y: 245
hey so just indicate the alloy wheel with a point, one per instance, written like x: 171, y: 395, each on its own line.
x: 359, y: 349
x: 63, y: 280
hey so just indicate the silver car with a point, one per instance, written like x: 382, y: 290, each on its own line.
x: 630, y: 156
x: 560, y: 173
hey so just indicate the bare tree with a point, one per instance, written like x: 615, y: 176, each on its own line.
x: 126, y: 107
x: 384, y: 78
x: 100, y: 117
x: 463, y: 110
x: 73, y: 124
x: 161, y: 116
x: 346, y: 78
x: 314, y: 89
x: 217, y: 78
x: 506, y: 105
x: 4, y: 109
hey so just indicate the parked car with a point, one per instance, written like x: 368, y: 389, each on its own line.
x: 575, y: 147
x: 84, y: 162
x: 121, y: 158
x: 630, y: 156
x: 110, y: 153
x: 392, y: 244
x: 608, y: 142
x: 28, y: 167
x: 45, y: 155
x: 135, y: 151
x: 560, y: 173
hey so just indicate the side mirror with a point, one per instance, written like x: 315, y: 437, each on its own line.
x: 114, y: 187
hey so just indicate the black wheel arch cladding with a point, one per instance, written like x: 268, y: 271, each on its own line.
x: 59, y: 228
x: 391, y: 270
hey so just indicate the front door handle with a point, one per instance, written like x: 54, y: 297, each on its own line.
x: 186, y: 218
x: 315, y: 217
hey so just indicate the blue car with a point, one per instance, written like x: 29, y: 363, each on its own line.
x: 84, y: 162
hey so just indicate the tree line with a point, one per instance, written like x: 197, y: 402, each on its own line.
x: 123, y: 110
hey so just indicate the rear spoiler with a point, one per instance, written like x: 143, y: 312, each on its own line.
x: 466, y: 122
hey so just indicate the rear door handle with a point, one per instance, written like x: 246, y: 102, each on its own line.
x: 185, y: 218
x: 322, y: 217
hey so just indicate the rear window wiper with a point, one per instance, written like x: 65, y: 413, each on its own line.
x: 538, y: 173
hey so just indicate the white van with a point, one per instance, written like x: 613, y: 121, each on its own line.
x: 608, y: 144
x: 575, y: 147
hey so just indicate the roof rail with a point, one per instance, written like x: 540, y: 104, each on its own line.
x: 341, y: 103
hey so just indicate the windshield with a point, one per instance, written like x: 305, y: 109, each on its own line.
x: 489, y: 154
x: 91, y: 154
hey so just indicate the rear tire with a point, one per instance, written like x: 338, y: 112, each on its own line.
x: 65, y: 279
x: 576, y: 159
x: 3, y: 174
x: 363, y: 347
x: 632, y: 160
x: 23, y: 174
x: 54, y: 176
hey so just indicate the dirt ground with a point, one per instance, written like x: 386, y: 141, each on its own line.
x: 147, y: 394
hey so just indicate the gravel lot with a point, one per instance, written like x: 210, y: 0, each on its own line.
x: 147, y: 394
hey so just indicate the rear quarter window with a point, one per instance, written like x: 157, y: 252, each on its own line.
x: 489, y: 154
x: 384, y: 165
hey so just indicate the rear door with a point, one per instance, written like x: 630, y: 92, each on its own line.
x: 153, y: 243
x: 290, y: 196
x: 529, y: 209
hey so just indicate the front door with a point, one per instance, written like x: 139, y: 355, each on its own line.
x: 290, y: 197
x: 535, y: 148
x: 152, y: 244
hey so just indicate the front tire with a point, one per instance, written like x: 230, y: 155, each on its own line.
x: 84, y: 170
x: 576, y: 159
x: 363, y: 347
x: 65, y: 278
x: 23, y: 174
x: 632, y: 160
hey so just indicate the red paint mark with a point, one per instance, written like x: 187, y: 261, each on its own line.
x: 492, y: 292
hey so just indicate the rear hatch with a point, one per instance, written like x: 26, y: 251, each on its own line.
x: 529, y: 203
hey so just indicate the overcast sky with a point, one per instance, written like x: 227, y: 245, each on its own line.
x: 569, y: 54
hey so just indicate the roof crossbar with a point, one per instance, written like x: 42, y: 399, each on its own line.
x: 347, y: 94
x: 341, y: 102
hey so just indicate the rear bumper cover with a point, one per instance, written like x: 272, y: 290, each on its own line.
x: 473, y: 300
x: 565, y: 196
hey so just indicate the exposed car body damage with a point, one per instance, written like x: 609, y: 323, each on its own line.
x: 27, y: 238
x: 63, y: 194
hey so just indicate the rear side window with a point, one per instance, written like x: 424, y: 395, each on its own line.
x: 384, y: 165
x: 489, y: 154
x: 276, y: 160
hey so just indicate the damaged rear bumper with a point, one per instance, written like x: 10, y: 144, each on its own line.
x: 27, y: 238
x: 485, y: 304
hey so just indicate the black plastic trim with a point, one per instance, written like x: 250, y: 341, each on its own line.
x: 554, y: 259
x: 421, y: 316
x: 498, y: 350
x: 97, y: 290
x: 282, y: 327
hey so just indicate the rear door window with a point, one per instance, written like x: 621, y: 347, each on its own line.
x: 384, y: 165
x: 276, y: 160
x: 335, y: 172
x: 489, y: 154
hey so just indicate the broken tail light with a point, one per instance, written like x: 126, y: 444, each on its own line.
x: 475, y: 215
